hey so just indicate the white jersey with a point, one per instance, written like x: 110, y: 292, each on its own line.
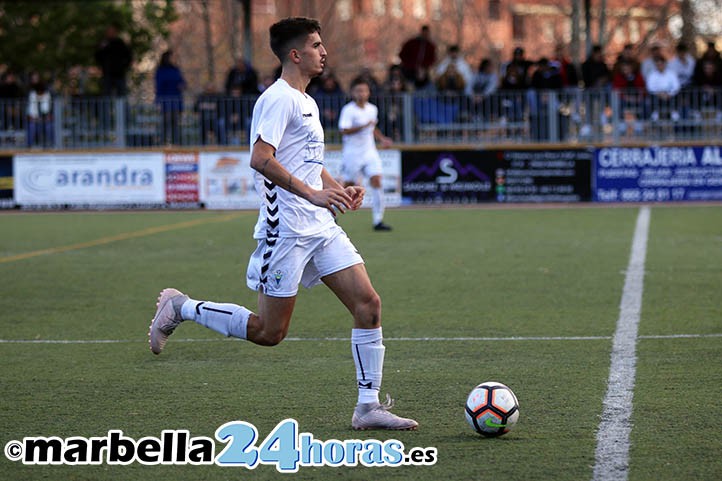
x: 289, y: 121
x: 362, y: 143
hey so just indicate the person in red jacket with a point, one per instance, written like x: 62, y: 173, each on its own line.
x: 630, y: 85
x: 417, y: 56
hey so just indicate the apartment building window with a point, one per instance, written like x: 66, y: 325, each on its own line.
x: 419, y: 9
x: 359, y: 7
x: 344, y: 10
x: 435, y: 6
x: 379, y: 7
x: 494, y: 9
x: 517, y: 27
x: 396, y: 8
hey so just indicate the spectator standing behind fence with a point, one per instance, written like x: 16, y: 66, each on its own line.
x: 513, y: 93
x: 11, y: 95
x: 242, y: 76
x: 648, y: 65
x: 39, y: 113
x: 595, y: 72
x: 546, y: 77
x: 417, y: 55
x: 330, y: 98
x: 566, y: 68
x: 453, y: 73
x: 682, y: 64
x: 629, y: 85
x: 114, y: 58
x: 236, y: 115
x: 520, y: 64
x: 626, y: 56
x: 241, y: 85
x: 708, y: 79
x: 209, y: 109
x: 393, y: 113
x: 709, y: 56
x: 169, y: 86
x: 358, y: 125
x: 663, y: 87
x: 369, y: 78
x: 484, y: 83
x: 628, y: 81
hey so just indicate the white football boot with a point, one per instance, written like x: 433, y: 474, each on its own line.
x: 377, y: 416
x: 167, y: 318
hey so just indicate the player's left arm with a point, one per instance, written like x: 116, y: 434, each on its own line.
x: 356, y: 192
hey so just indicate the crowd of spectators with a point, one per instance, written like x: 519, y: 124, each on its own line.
x: 651, y: 87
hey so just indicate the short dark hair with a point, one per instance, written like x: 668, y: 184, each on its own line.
x: 288, y: 31
x: 360, y: 80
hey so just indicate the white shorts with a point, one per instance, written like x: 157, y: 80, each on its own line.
x: 278, y: 265
x: 367, y: 165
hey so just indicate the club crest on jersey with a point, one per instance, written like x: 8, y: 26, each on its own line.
x: 278, y: 275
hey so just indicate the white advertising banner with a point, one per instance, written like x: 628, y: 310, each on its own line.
x: 391, y: 174
x: 94, y: 179
x: 226, y: 180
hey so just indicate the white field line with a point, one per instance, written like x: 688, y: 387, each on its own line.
x: 612, y: 452
x: 348, y: 339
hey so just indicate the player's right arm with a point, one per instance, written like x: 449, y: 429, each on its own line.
x: 353, y: 130
x: 345, y: 122
x: 263, y: 161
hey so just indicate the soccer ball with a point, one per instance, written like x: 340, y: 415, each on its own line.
x: 492, y: 409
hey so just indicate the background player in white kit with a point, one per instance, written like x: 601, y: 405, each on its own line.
x: 357, y: 124
x: 298, y: 238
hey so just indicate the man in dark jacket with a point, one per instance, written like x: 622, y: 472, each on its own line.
x: 595, y: 72
x: 114, y: 58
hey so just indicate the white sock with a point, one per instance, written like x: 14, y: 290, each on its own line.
x: 368, y: 355
x: 228, y: 319
x: 377, y: 204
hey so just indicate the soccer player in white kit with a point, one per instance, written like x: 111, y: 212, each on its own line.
x: 357, y: 124
x: 298, y: 238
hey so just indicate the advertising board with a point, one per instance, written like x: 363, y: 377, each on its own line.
x: 89, y: 180
x: 657, y: 174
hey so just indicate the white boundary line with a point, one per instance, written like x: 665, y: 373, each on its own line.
x: 348, y: 339
x: 612, y: 452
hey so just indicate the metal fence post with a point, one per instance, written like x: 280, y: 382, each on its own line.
x: 409, y: 120
x: 120, y: 104
x: 58, y: 112
x: 616, y: 115
x: 553, y: 116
